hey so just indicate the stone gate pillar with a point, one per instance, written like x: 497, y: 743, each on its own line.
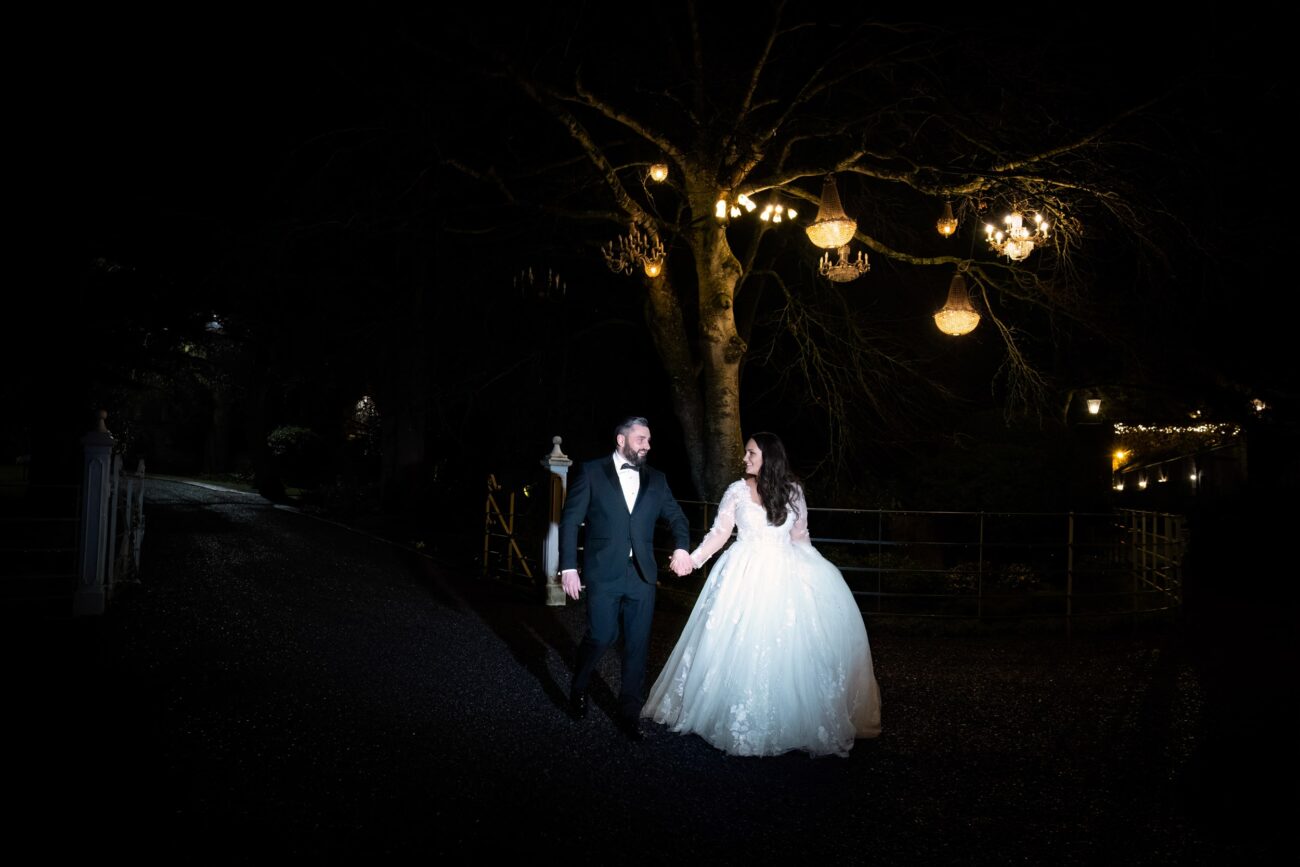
x: 558, y: 463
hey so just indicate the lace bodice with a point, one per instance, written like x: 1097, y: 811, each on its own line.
x: 738, y: 511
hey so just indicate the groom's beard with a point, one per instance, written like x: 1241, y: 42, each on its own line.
x: 633, y: 457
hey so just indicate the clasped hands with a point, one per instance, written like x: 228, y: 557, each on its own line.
x: 681, y: 564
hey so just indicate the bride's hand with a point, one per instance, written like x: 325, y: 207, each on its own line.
x: 681, y: 563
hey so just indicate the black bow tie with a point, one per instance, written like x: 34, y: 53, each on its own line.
x: 627, y: 467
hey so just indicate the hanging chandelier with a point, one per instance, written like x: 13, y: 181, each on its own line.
x: 774, y: 213
x: 724, y: 209
x: 957, y: 317
x: 833, y: 228
x: 1017, y: 242
x: 947, y: 223
x: 626, y: 252
x: 844, y: 269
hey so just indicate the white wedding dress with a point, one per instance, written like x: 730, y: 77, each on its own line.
x: 774, y: 656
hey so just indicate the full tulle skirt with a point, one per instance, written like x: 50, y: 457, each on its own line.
x: 773, y: 658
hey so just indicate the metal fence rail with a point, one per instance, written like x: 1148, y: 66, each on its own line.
x: 999, y: 565
x: 938, y: 565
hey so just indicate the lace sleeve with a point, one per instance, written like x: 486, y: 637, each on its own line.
x: 723, y: 524
x: 799, y: 532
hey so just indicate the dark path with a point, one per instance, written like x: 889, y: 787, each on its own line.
x: 278, y: 686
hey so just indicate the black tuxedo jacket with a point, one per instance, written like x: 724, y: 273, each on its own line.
x: 596, y: 497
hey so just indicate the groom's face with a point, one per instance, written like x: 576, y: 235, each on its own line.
x: 635, y: 444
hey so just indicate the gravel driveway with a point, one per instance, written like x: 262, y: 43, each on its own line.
x: 281, y: 687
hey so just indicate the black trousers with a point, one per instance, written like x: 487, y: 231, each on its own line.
x: 629, y: 603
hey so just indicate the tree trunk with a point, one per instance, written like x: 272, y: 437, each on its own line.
x: 668, y: 331
x: 721, y: 351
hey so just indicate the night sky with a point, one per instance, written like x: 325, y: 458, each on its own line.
x: 181, y: 151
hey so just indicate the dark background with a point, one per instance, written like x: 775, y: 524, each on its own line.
x: 281, y: 172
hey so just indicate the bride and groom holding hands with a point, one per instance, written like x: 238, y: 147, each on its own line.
x: 774, y: 656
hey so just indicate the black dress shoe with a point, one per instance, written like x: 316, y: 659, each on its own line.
x: 630, y: 726
x: 578, y: 705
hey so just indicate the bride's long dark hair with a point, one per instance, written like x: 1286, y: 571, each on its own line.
x: 777, y: 486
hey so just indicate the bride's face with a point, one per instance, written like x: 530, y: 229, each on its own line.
x: 753, y: 458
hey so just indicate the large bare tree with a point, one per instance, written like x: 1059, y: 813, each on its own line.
x: 763, y: 106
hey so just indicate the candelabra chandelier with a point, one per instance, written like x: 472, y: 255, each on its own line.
x: 1017, y: 242
x: 626, y: 252
x: 545, y: 287
x: 957, y: 317
x: 844, y: 269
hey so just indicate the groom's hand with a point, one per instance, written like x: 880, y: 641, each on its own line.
x: 681, y: 563
x: 570, y: 582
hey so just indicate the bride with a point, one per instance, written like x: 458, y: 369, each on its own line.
x: 774, y: 656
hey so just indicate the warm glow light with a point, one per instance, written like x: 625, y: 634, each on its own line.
x: 1018, y: 241
x: 1226, y: 430
x: 735, y: 212
x: 833, y: 228
x: 1094, y: 406
x: 947, y: 223
x: 773, y: 213
x: 1119, y: 484
x: 720, y: 209
x: 1142, y: 482
x: 637, y: 247
x: 745, y: 202
x: 957, y: 317
x: 658, y: 172
x: 1259, y: 405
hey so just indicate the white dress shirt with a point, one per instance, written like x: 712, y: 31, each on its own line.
x: 631, y: 482
x: 629, y: 479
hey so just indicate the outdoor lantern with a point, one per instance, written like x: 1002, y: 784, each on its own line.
x: 1094, y: 406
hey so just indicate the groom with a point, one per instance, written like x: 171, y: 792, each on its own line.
x: 620, y: 499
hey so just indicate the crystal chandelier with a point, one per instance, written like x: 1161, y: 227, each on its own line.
x: 636, y: 248
x: 957, y: 317
x: 833, y: 228
x: 947, y: 223
x: 1017, y: 242
x: 845, y: 269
